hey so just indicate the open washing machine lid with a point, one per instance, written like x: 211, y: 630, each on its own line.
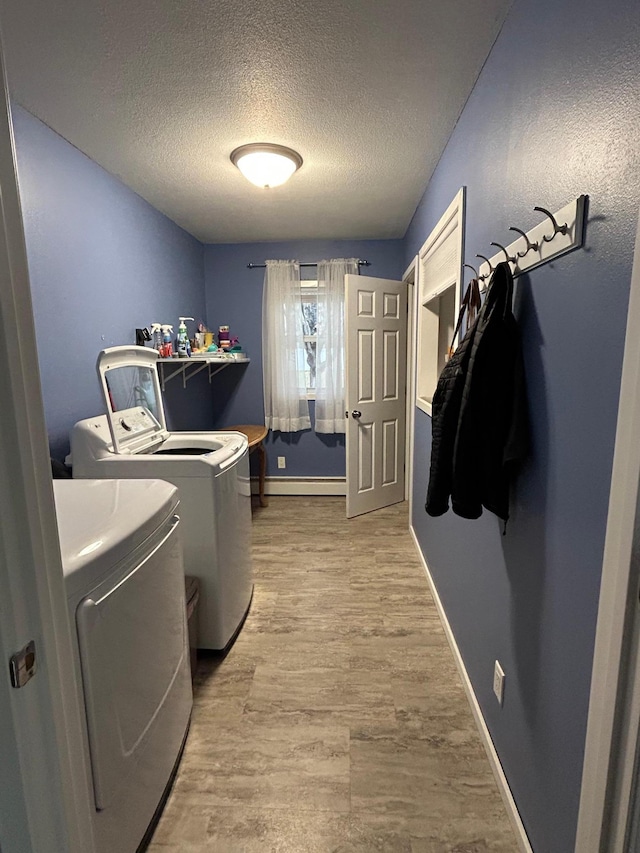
x: 131, y: 387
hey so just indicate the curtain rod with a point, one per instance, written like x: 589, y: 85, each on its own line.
x: 313, y: 264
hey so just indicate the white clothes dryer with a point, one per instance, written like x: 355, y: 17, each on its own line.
x: 211, y: 470
x: 124, y: 580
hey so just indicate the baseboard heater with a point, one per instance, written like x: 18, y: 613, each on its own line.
x: 301, y: 485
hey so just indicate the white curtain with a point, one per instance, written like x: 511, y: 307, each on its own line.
x: 330, y: 378
x: 285, y: 395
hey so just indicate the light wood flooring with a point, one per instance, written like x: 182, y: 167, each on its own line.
x: 337, y: 722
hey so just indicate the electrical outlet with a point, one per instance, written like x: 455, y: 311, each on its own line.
x: 282, y: 462
x: 498, y: 682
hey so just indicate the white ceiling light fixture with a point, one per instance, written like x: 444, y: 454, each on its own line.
x: 266, y: 165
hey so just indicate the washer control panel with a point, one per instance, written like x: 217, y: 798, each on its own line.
x: 135, y: 421
x: 133, y: 425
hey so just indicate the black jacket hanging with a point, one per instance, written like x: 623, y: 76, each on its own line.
x: 479, y: 412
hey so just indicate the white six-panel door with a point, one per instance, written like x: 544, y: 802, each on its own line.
x: 376, y: 350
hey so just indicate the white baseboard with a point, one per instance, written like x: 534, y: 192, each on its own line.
x: 510, y: 804
x: 301, y: 485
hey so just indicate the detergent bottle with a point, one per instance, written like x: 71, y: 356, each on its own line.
x: 156, y: 336
x: 184, y: 348
x: 167, y: 347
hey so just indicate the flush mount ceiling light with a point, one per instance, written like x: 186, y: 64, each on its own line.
x: 266, y: 165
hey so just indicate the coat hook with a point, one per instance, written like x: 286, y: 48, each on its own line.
x: 490, y: 266
x: 506, y: 254
x: 557, y: 229
x: 475, y: 271
x: 531, y: 247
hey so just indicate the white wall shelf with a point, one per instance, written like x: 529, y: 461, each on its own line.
x: 189, y: 367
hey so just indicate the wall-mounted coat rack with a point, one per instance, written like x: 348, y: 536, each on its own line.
x: 557, y: 234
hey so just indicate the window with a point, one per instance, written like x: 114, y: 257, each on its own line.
x: 307, y: 357
x: 440, y: 277
x: 286, y: 407
x: 303, y: 345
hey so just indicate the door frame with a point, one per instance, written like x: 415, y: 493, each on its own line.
x: 614, y: 712
x: 410, y: 276
x: 44, y: 800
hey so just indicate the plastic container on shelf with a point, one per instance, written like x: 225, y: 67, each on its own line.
x: 223, y: 337
x: 156, y: 336
x: 167, y: 346
x: 183, y: 345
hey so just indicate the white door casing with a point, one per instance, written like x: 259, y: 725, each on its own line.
x: 376, y: 349
x: 440, y: 273
x: 411, y: 276
x: 614, y: 704
x: 44, y: 804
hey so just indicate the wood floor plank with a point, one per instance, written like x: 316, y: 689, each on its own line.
x: 337, y: 721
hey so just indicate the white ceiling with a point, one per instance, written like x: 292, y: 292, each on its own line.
x: 159, y: 92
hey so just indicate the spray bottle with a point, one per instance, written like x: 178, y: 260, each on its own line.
x: 167, y: 347
x: 156, y: 336
x: 184, y: 348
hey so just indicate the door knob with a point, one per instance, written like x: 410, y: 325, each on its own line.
x: 356, y: 414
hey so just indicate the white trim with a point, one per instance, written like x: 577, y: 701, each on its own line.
x: 609, y: 694
x: 44, y: 795
x: 510, y: 804
x: 456, y: 210
x: 411, y: 276
x: 621, y: 789
x: 425, y: 405
x: 301, y: 485
x: 452, y: 218
x: 438, y: 291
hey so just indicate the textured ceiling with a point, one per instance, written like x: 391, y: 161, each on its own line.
x: 159, y: 92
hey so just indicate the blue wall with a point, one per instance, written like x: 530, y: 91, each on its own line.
x: 102, y: 262
x: 234, y: 298
x: 555, y: 113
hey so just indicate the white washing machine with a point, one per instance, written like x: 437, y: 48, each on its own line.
x: 211, y: 470
x: 124, y: 579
